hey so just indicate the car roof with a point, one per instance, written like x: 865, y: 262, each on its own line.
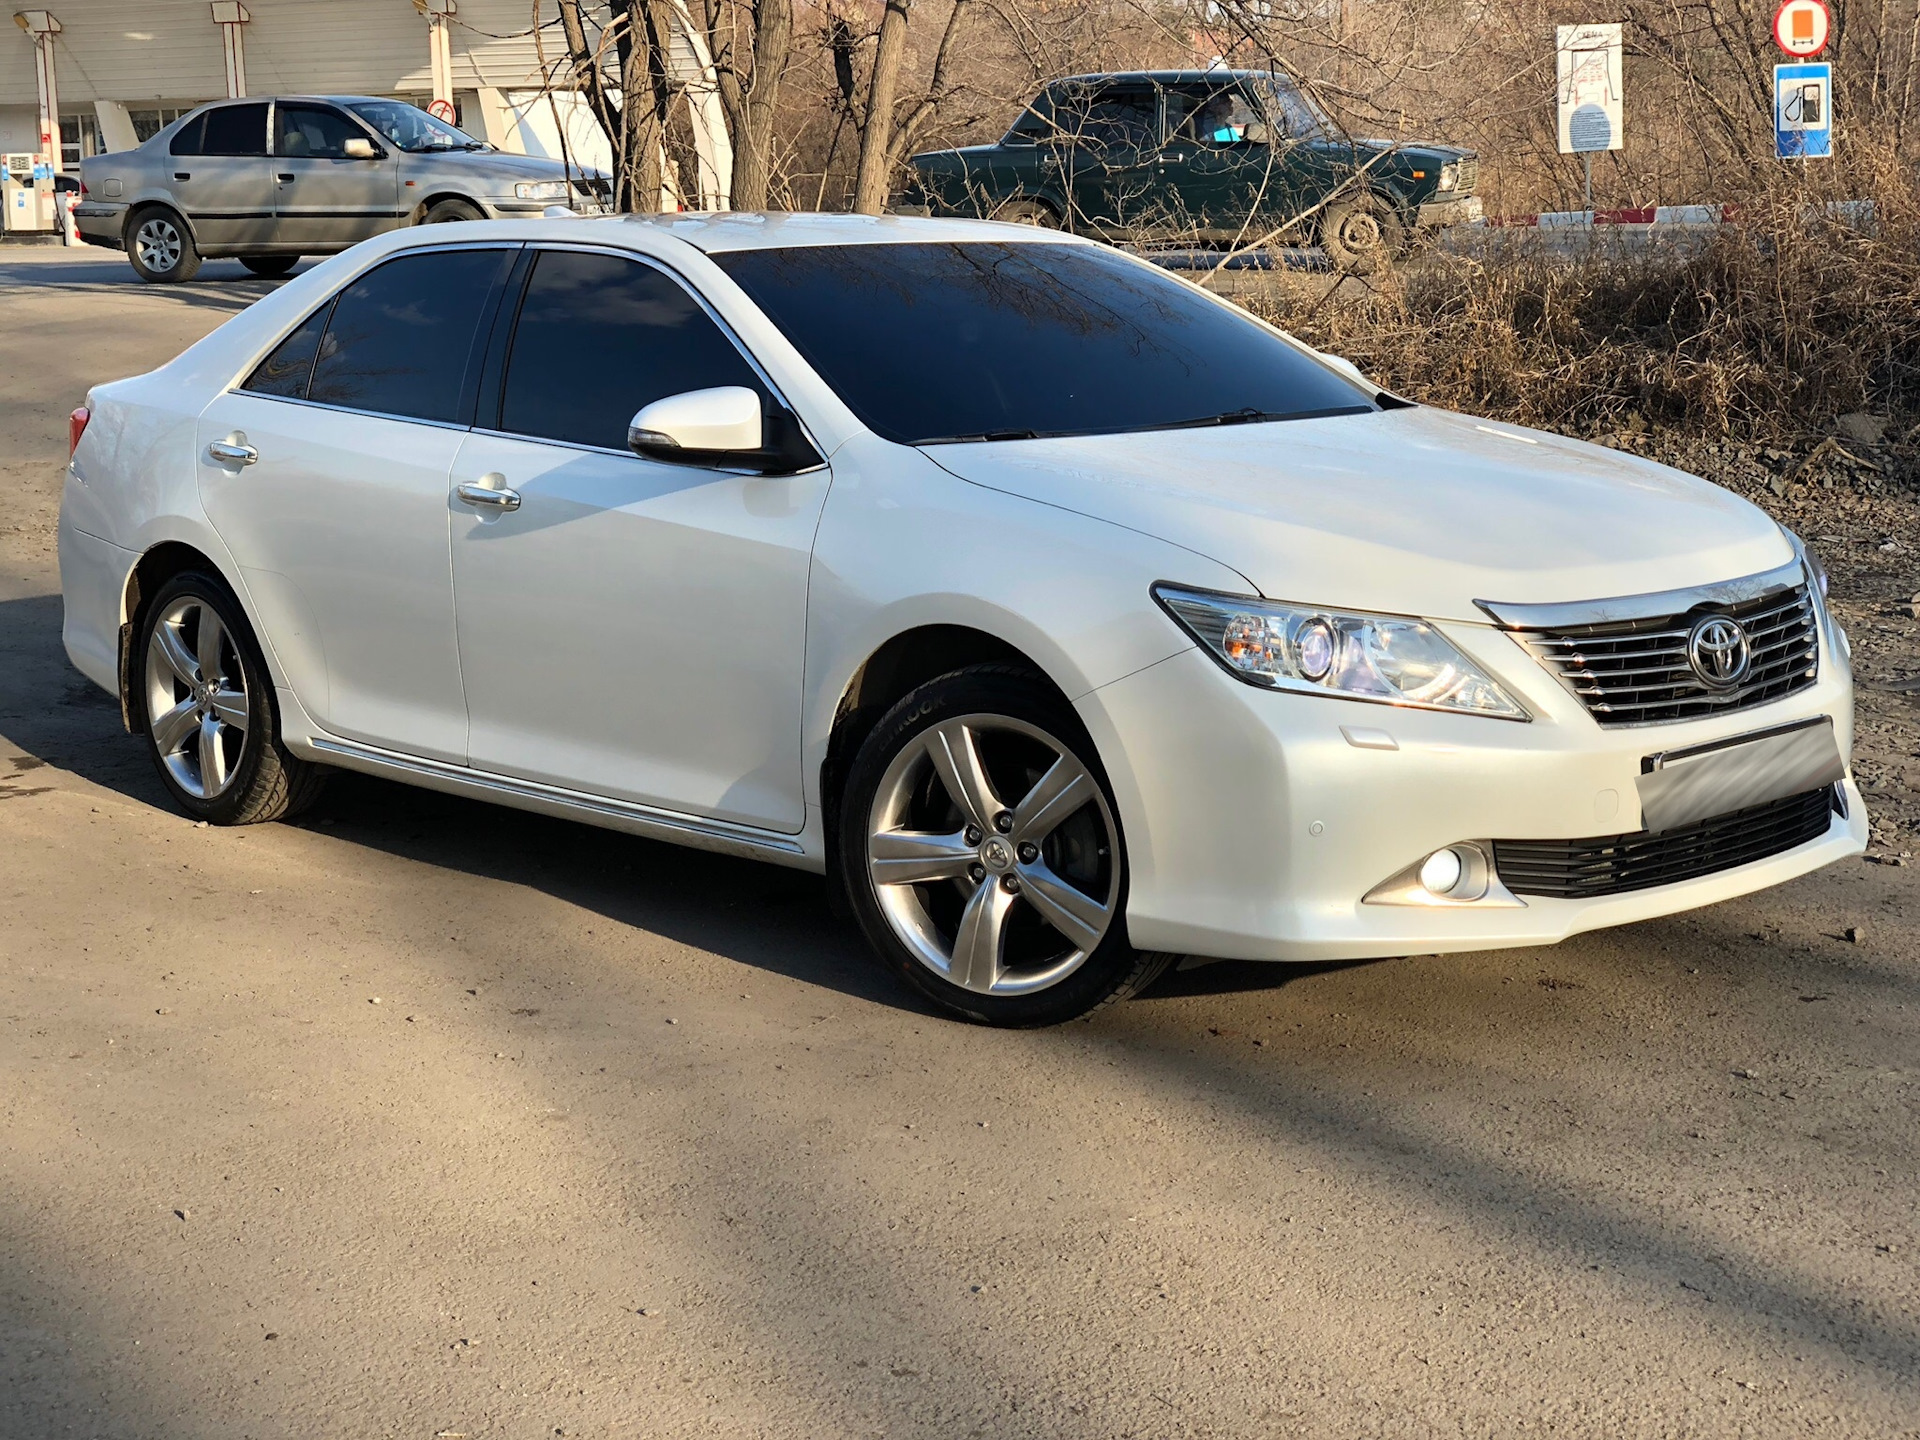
x: 1159, y: 77
x: 721, y: 231
x: 329, y: 99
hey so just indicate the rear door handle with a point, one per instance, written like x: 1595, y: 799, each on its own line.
x: 233, y: 451
x: 484, y: 496
x: 182, y: 175
x: 284, y: 176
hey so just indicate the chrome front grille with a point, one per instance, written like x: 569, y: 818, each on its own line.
x: 1469, y: 175
x: 1635, y: 670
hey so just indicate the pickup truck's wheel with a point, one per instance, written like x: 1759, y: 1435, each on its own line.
x: 1028, y: 212
x: 270, y: 267
x: 160, y: 248
x: 981, y: 854
x: 1362, y: 234
x: 446, y: 212
x: 204, y: 698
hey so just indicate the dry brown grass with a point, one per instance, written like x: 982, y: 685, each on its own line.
x: 1770, y: 329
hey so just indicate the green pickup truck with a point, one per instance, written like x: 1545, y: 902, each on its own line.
x: 1200, y: 157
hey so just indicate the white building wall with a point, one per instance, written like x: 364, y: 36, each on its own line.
x: 135, y: 51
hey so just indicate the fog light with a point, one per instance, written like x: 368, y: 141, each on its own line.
x: 1440, y: 872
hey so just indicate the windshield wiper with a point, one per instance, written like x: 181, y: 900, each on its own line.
x: 988, y: 435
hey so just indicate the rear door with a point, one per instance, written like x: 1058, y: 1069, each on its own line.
x: 222, y: 178
x: 1107, y: 141
x: 323, y: 199
x: 340, y: 523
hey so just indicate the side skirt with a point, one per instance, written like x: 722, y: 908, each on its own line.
x: 563, y: 804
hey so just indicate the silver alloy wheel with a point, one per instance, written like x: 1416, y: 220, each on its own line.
x: 1044, y: 867
x: 196, y: 698
x: 158, y: 243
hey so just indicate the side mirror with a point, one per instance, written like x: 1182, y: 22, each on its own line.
x: 359, y: 149
x: 722, y: 427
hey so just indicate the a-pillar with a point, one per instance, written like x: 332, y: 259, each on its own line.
x: 440, y: 56
x: 230, y: 15
x: 43, y: 28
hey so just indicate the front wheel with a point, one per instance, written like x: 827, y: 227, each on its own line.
x: 1361, y: 235
x: 450, y: 212
x: 982, y: 857
x: 204, y: 695
x: 1028, y: 212
x: 160, y: 248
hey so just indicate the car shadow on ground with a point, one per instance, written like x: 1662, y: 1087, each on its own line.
x: 220, y: 285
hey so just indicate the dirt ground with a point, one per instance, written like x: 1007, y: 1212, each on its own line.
x: 425, y: 1119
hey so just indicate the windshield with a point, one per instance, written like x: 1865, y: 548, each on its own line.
x: 1302, y: 114
x: 412, y: 129
x: 932, y: 343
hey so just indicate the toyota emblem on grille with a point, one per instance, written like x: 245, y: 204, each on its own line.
x: 1719, y: 652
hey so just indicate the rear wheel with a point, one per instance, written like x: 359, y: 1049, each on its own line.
x: 204, y: 698
x: 982, y: 856
x: 270, y: 267
x: 160, y: 248
x: 1028, y: 212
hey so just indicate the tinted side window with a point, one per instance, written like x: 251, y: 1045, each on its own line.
x: 186, y: 140
x: 286, y: 370
x: 236, y: 130
x: 314, y: 132
x: 1109, y: 119
x: 402, y: 335
x: 600, y: 337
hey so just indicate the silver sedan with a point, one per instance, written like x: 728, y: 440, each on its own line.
x: 269, y: 180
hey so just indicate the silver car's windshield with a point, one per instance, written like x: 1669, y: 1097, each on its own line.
x: 412, y: 129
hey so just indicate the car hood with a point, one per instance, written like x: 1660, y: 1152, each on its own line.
x: 498, y: 164
x: 1414, y: 511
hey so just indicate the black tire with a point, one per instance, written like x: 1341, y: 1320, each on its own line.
x: 160, y: 247
x: 1362, y: 235
x: 1028, y: 212
x: 270, y: 267
x: 1111, y: 969
x: 448, y: 212
x: 265, y: 781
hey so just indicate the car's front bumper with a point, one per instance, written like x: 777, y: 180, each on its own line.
x: 1257, y: 821
x: 1453, y: 210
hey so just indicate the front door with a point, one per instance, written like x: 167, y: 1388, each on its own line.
x: 633, y: 628
x: 323, y: 198
x: 222, y: 179
x: 339, y: 523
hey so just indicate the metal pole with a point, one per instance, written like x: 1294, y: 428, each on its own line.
x: 1587, y: 155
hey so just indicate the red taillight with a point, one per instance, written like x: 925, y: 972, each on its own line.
x: 76, y: 427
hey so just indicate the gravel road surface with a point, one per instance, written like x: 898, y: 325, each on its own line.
x: 425, y: 1119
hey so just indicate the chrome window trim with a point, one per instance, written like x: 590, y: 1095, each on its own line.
x: 1572, y: 614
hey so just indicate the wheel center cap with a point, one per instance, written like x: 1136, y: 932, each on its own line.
x: 996, y: 854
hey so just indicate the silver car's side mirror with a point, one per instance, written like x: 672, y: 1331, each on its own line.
x: 358, y: 149
x: 697, y: 425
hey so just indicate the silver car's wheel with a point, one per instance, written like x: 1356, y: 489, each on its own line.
x: 196, y: 698
x: 158, y: 243
x: 993, y: 855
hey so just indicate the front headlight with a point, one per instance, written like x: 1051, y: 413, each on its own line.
x: 542, y: 190
x: 1383, y: 658
x: 1449, y: 175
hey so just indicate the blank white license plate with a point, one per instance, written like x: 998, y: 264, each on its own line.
x: 1679, y: 787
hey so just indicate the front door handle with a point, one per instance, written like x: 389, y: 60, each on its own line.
x: 282, y: 175
x: 182, y: 175
x: 493, y: 496
x: 234, y: 450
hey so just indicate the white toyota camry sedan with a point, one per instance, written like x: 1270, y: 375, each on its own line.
x: 1067, y: 617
